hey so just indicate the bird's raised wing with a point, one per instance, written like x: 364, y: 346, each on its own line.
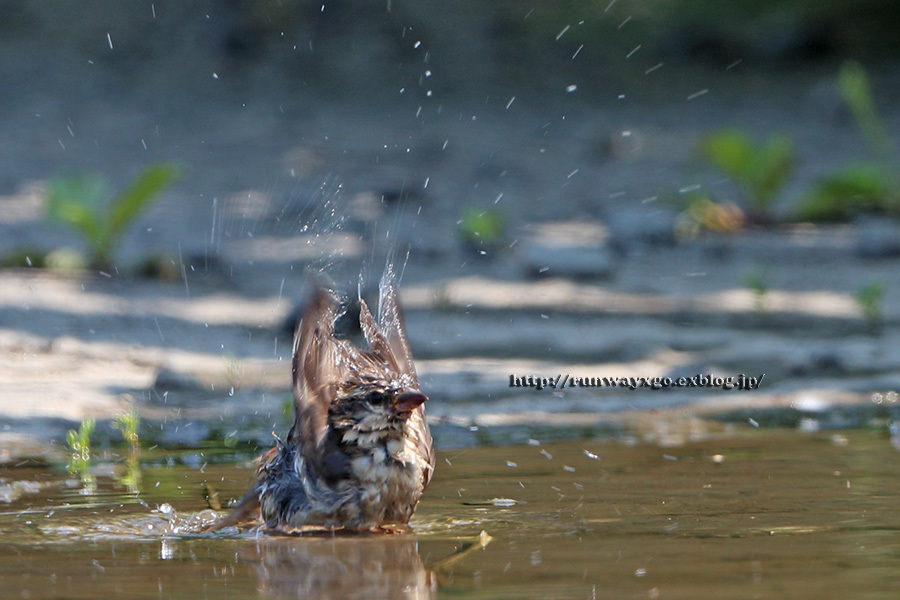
x: 391, y: 332
x: 393, y: 328
x: 317, y: 369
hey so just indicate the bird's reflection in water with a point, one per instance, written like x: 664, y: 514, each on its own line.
x: 384, y: 566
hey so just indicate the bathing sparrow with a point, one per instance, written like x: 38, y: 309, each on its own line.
x: 359, y: 454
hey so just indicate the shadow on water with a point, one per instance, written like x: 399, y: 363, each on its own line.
x: 762, y: 514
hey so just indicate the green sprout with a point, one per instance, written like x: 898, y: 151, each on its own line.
x: 857, y: 94
x: 870, y: 299
x: 760, y: 170
x: 231, y: 440
x: 81, y: 202
x: 79, y: 443
x: 129, y: 423
x: 860, y: 188
x: 869, y: 186
x: 481, y: 228
x: 756, y: 283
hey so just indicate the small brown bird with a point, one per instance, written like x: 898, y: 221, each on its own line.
x: 359, y: 454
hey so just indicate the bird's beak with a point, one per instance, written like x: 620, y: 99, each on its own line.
x: 409, y: 401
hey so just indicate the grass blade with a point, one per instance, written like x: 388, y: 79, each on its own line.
x: 857, y: 93
x: 139, y: 194
x: 73, y: 201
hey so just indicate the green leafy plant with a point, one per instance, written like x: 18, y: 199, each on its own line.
x: 82, y: 203
x: 760, y: 170
x: 870, y: 299
x: 481, y: 229
x: 857, y: 94
x: 865, y: 187
x: 860, y: 188
x: 79, y: 442
x: 129, y: 423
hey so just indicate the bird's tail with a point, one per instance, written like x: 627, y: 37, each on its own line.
x: 247, y: 509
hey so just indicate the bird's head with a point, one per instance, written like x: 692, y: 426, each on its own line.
x: 373, y: 404
x: 361, y: 393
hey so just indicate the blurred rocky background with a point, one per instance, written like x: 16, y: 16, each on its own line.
x: 612, y: 188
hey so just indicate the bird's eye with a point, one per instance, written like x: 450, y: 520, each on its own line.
x: 375, y: 398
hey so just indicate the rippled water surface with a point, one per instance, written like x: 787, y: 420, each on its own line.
x: 771, y: 514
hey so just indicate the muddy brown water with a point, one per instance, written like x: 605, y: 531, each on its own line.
x: 760, y: 515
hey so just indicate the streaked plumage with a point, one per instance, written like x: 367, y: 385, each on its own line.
x: 359, y: 454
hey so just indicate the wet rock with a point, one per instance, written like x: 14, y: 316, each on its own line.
x: 33, y: 441
x: 646, y: 225
x: 168, y: 380
x: 616, y: 145
x: 576, y: 250
x: 876, y: 237
x: 10, y: 491
x: 575, y: 262
x: 107, y: 470
x: 824, y: 362
x: 804, y: 245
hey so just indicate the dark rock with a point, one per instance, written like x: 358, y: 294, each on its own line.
x: 576, y: 262
x: 574, y: 249
x: 876, y: 237
x: 828, y: 361
x: 647, y: 225
x: 167, y: 380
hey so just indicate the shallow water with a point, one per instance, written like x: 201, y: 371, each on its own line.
x: 766, y: 514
